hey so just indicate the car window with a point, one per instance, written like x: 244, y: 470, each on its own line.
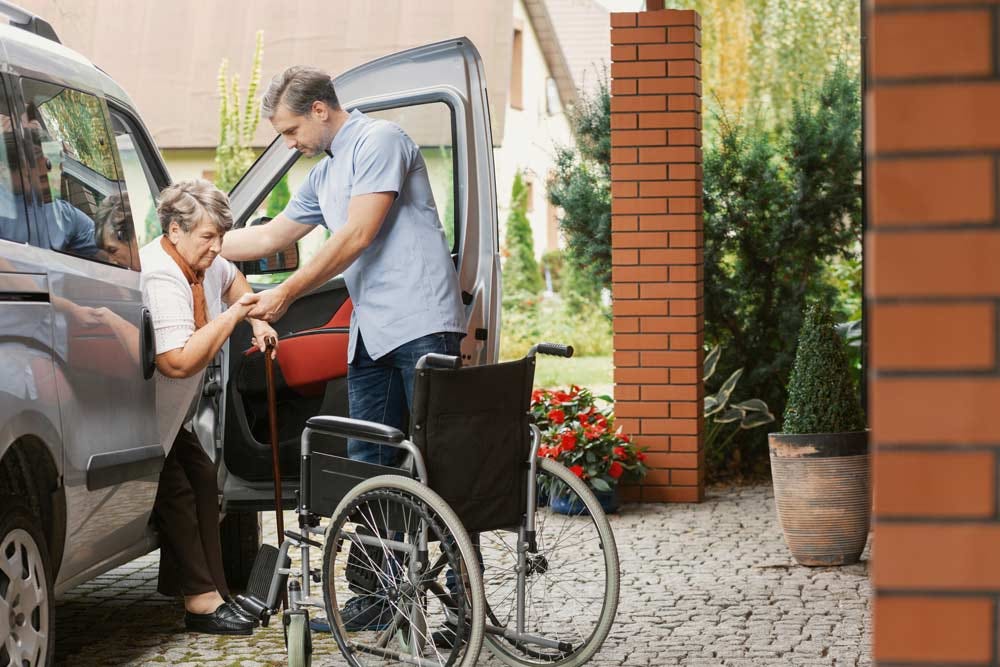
x: 430, y: 127
x: 141, y: 189
x: 13, y: 219
x: 82, y: 209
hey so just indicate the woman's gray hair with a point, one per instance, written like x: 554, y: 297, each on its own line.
x: 185, y: 202
x: 297, y: 88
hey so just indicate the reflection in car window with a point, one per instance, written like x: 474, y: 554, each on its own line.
x: 83, y: 206
x: 13, y: 221
x: 139, y: 183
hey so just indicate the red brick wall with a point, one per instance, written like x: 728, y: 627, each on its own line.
x: 933, y: 284
x: 657, y: 245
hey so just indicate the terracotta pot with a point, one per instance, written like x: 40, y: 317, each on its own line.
x: 822, y: 489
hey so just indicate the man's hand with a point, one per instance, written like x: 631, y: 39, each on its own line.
x: 269, y: 305
x: 261, y: 332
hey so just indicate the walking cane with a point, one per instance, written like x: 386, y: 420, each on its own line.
x: 272, y: 417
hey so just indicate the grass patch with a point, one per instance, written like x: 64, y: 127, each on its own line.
x: 595, y: 373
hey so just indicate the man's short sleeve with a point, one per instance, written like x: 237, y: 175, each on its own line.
x: 381, y: 161
x: 303, y: 207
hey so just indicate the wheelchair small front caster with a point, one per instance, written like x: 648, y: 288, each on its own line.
x: 298, y: 638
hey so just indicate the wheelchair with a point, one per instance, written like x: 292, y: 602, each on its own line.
x: 459, y: 544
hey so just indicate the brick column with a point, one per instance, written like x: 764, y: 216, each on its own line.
x: 933, y: 283
x: 657, y: 245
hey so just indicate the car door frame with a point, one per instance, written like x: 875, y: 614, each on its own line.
x: 474, y: 182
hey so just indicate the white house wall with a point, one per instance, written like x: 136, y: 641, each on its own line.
x: 530, y: 136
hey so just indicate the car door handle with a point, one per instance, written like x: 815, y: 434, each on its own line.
x: 147, y: 345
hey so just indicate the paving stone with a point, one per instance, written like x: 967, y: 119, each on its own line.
x: 702, y: 585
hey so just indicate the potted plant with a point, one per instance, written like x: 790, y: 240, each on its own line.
x: 583, y: 437
x: 819, y: 463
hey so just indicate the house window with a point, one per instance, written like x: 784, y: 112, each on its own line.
x: 517, y: 71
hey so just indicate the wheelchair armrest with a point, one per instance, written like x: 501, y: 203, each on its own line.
x: 357, y: 429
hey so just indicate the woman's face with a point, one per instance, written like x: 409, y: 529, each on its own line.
x: 201, y: 245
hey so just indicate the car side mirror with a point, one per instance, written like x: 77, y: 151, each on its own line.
x: 279, y: 262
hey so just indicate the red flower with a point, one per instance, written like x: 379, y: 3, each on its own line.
x: 557, y: 416
x: 616, y: 470
x: 642, y: 456
x: 562, y: 397
x: 624, y: 437
x: 619, y: 452
x: 567, y: 441
x: 576, y: 470
x: 536, y: 395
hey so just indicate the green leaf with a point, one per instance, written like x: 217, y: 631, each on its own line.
x: 712, y: 405
x: 599, y: 484
x: 730, y: 415
x: 606, y: 398
x: 711, y: 361
x: 753, y: 405
x: 730, y: 383
x: 755, y: 419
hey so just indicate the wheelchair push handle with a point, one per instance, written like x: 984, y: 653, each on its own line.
x: 434, y: 360
x: 553, y: 349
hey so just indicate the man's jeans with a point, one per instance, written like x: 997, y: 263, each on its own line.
x: 377, y: 391
x: 381, y: 390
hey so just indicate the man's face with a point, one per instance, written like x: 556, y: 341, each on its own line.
x: 308, y: 133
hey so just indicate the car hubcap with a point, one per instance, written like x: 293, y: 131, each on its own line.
x: 24, y: 602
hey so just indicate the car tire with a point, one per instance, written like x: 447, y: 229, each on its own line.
x: 240, y: 543
x: 25, y: 579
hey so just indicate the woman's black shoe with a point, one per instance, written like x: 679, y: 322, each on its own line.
x: 223, y: 621
x: 240, y: 611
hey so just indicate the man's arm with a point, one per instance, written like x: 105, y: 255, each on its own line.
x: 365, y: 214
x: 262, y: 240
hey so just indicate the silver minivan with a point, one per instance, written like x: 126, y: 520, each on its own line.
x: 79, y: 176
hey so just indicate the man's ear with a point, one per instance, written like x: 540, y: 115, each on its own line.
x: 320, y: 110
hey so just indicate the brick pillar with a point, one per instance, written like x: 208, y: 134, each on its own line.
x: 657, y: 245
x: 933, y: 286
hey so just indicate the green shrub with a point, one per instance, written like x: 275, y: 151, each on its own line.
x: 553, y: 262
x: 581, y: 186
x: 237, y: 122
x: 587, y: 327
x: 278, y: 198
x: 778, y: 210
x: 821, y: 393
x: 521, y: 276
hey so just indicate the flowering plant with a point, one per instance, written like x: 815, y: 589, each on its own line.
x: 583, y: 437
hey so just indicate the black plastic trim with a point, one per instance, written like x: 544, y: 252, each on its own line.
x: 104, y: 470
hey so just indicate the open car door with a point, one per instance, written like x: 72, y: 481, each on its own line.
x: 437, y: 94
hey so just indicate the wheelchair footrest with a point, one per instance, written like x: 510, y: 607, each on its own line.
x: 264, y: 567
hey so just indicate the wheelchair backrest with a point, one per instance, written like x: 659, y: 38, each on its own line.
x: 472, y: 427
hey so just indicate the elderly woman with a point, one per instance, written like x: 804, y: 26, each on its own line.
x: 185, y: 284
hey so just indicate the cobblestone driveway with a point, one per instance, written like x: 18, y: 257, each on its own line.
x: 709, y: 584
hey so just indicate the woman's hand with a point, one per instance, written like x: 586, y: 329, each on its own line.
x: 261, y: 332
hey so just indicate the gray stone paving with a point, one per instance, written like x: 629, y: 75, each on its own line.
x: 702, y: 585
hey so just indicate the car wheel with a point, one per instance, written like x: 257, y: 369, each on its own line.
x: 240, y: 544
x: 27, y: 607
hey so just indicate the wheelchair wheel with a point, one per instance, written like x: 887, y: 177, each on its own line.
x: 373, y: 563
x: 571, y: 582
